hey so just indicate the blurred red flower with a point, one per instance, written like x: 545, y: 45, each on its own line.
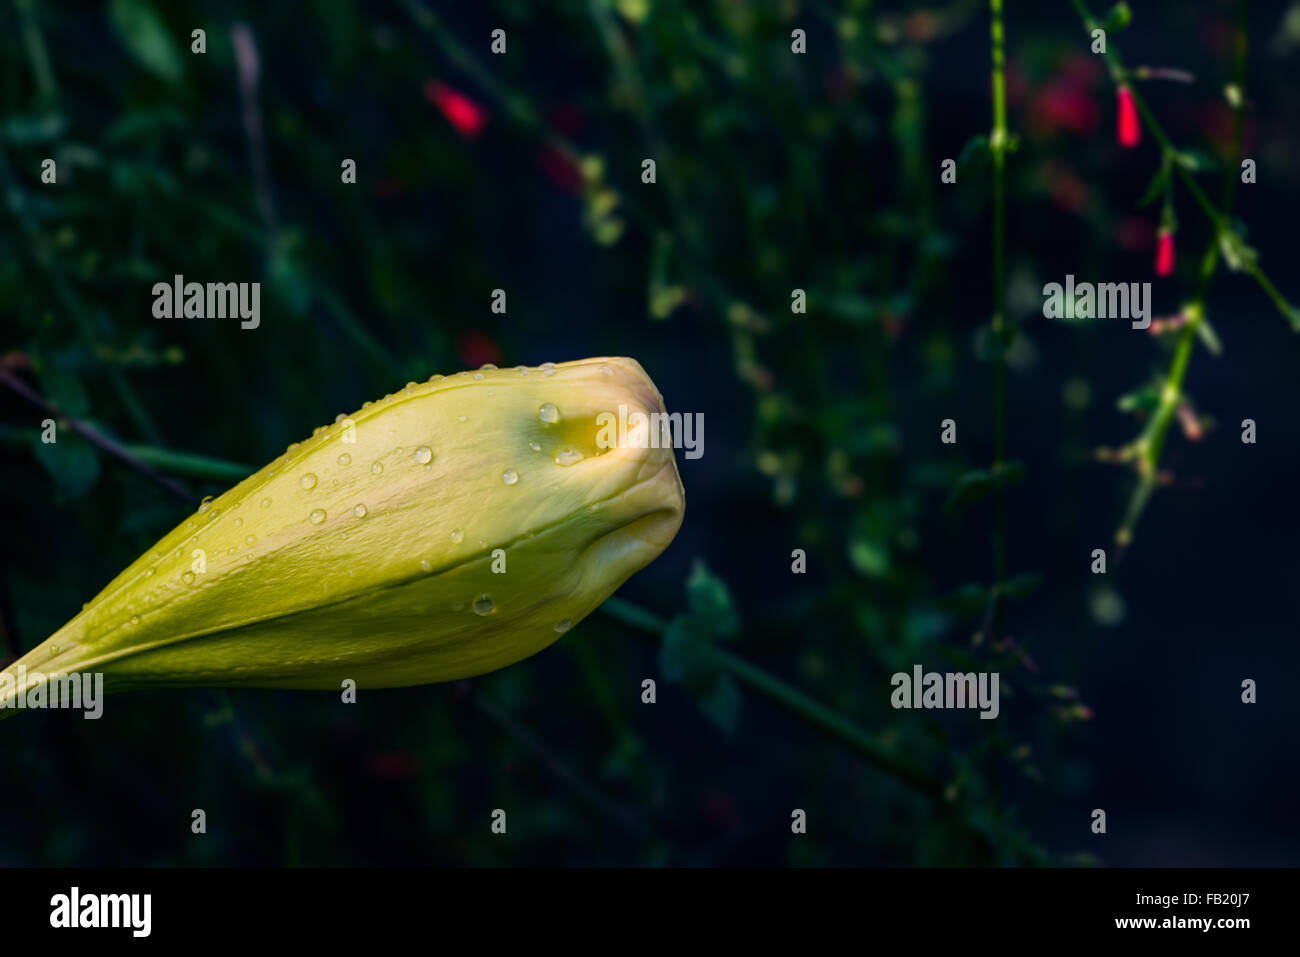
x: 476, y: 349
x: 463, y: 113
x: 1128, y: 127
x: 392, y: 765
x: 1165, y: 252
x: 560, y: 169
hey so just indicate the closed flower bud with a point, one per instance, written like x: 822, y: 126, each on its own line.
x: 448, y: 530
x: 1164, y: 252
x: 1128, y: 128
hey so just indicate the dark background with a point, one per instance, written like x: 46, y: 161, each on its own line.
x: 821, y: 431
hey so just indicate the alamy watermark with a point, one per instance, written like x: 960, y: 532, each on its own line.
x: 214, y: 300
x: 38, y: 691
x: 75, y: 909
x: 654, y: 430
x: 1107, y: 300
x: 932, y: 689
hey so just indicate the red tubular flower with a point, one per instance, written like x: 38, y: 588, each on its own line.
x: 463, y: 113
x: 1130, y: 131
x: 1165, y: 252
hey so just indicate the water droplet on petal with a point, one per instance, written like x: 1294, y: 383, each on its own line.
x: 510, y: 476
x: 567, y: 456
x: 483, y: 605
x: 345, y: 459
x: 478, y: 376
x: 359, y: 511
x: 548, y: 368
x: 377, y: 467
x: 563, y: 625
x: 457, y: 536
x: 426, y: 565
x: 535, y: 445
x: 148, y: 573
x: 188, y: 578
x: 423, y: 455
x: 266, y: 503
x: 250, y: 539
x: 549, y: 414
x: 461, y: 418
x: 317, y: 516
x: 340, y: 417
x: 135, y: 619
x: 238, y: 522
x: 606, y: 370
x: 308, y: 481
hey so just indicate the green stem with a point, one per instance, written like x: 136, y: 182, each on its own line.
x: 1219, y: 218
x: 792, y: 700
x: 1152, y: 441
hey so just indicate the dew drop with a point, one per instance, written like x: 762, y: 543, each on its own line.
x: 359, y: 511
x: 563, y: 625
x: 510, y: 476
x: 457, y: 536
x: 317, y: 516
x: 426, y: 565
x: 461, y: 418
x: 549, y: 414
x: 340, y: 417
x: 238, y: 522
x: 410, y: 385
x: 291, y: 447
x: 567, y: 456
x: 483, y: 605
x: 308, y: 481
x: 606, y: 370
x: 250, y: 539
x: 397, y: 451
x: 188, y: 578
x: 423, y: 455
x: 377, y: 467
x: 535, y: 445
x: 135, y: 619
x: 205, y: 504
x: 148, y: 573
x: 266, y: 503
x: 345, y: 459
x: 548, y: 368
x: 366, y: 405
x: 435, y: 378
x: 478, y: 376
x: 487, y: 365
x: 522, y: 370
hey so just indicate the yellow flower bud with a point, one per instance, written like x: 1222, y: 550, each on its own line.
x: 453, y: 528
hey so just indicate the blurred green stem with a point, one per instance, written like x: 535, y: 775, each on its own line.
x: 1150, y: 444
x: 177, y: 463
x: 1219, y: 218
x: 793, y: 700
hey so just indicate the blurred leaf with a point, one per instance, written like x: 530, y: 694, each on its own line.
x: 722, y: 704
x: 72, y: 462
x: 1156, y: 186
x: 1118, y: 17
x: 971, y: 487
x: 1196, y: 160
x: 1021, y: 585
x: 146, y: 38
x: 869, y: 558
x: 707, y: 595
x: 28, y: 130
